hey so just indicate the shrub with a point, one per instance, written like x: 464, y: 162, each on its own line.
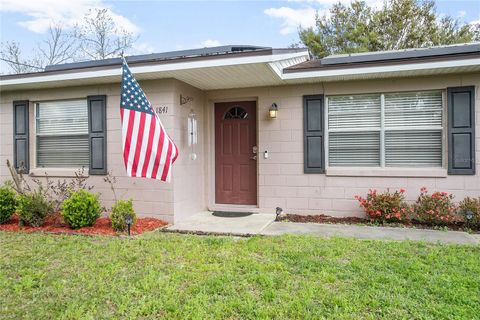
x: 120, y: 210
x: 473, y: 205
x: 385, y: 207
x: 7, y: 203
x: 56, y: 191
x: 81, y: 209
x: 33, y: 208
x: 437, y: 208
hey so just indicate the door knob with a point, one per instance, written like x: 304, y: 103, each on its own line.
x: 253, y: 157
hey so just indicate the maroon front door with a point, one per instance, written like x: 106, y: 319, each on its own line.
x: 235, y: 154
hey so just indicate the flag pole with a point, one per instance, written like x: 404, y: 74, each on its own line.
x: 122, y: 55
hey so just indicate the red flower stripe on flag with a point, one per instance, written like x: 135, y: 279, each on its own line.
x: 148, y: 151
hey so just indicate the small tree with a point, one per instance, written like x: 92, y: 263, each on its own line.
x: 398, y: 24
x: 100, y: 37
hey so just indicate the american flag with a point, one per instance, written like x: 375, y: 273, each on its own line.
x: 148, y: 151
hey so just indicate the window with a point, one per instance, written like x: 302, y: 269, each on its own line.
x: 62, y: 134
x: 386, y: 130
x: 236, y: 113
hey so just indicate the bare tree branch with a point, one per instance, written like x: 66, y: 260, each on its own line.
x: 21, y: 64
x: 11, y: 53
x: 100, y: 37
x: 59, y: 47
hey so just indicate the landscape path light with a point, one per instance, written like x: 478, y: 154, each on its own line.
x: 129, y: 222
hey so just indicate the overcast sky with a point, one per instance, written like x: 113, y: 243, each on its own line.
x: 174, y: 25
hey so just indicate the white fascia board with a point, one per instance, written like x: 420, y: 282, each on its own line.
x: 154, y: 68
x: 391, y: 69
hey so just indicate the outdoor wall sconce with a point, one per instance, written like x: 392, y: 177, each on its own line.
x: 273, y: 111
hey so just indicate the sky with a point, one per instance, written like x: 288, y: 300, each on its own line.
x: 175, y: 25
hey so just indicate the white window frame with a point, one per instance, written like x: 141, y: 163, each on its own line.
x: 383, y: 170
x: 50, y: 171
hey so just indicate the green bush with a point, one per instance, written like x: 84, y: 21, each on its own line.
x: 385, y: 206
x: 81, y: 209
x: 120, y: 210
x: 33, y: 208
x: 436, y: 208
x: 7, y: 203
x: 473, y: 205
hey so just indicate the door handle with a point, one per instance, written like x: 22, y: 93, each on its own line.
x: 253, y: 157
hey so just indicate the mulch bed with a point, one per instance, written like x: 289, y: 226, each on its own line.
x: 321, y: 218
x: 54, y: 224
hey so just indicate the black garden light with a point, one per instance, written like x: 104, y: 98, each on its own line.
x: 469, y: 216
x: 278, y: 211
x: 128, y: 221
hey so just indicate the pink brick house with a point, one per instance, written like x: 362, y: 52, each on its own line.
x: 342, y: 125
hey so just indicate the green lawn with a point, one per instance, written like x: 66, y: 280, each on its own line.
x: 180, y: 276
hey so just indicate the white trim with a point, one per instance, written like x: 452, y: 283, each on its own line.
x: 57, y: 172
x: 325, y: 130
x: 386, y: 172
x: 382, y: 130
x: 391, y: 69
x: 153, y: 68
x: 444, y: 129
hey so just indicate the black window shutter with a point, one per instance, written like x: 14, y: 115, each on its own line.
x: 97, y: 128
x: 461, y: 130
x: 21, y: 135
x: 313, y: 139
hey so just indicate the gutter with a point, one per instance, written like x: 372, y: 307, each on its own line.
x: 385, y: 69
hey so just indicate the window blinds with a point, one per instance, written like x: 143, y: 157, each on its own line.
x: 413, y: 129
x: 417, y: 109
x: 361, y: 110
x: 354, y: 126
x: 354, y: 149
x: 62, y: 133
x: 407, y: 125
x: 414, y: 148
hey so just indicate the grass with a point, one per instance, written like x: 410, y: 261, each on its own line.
x: 180, y: 276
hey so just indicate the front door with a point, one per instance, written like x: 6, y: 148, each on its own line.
x: 235, y: 153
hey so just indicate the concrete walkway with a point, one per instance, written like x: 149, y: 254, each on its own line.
x: 367, y: 232
x: 264, y: 224
x: 205, y: 222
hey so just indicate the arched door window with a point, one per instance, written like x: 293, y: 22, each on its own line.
x: 236, y: 112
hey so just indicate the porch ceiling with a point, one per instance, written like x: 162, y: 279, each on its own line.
x: 237, y: 76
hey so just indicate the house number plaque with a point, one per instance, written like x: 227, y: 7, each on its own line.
x: 161, y: 110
